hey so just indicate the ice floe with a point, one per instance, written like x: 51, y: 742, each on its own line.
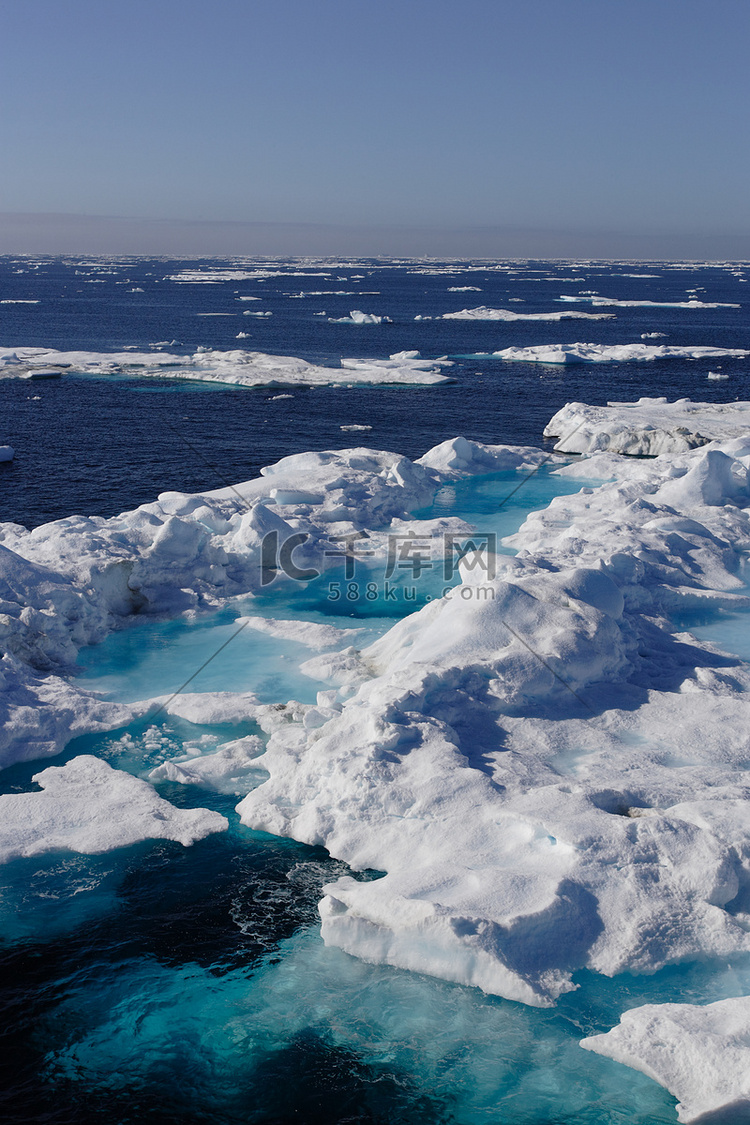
x: 693, y: 303
x: 484, y: 313
x: 700, y: 1053
x: 357, y: 317
x: 240, y: 368
x: 647, y: 427
x: 231, y: 769
x: 614, y: 353
x: 86, y: 806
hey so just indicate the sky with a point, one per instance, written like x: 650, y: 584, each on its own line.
x: 445, y: 127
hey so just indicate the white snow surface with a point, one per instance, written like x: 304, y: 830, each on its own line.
x: 87, y: 806
x: 646, y: 427
x: 700, y: 1053
x: 242, y: 368
x: 614, y: 353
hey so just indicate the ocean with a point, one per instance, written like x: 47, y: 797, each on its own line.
x: 161, y: 983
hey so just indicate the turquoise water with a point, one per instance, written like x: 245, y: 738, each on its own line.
x: 191, y: 985
x: 156, y: 658
x: 727, y: 630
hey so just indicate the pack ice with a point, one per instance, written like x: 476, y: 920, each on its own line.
x: 547, y: 771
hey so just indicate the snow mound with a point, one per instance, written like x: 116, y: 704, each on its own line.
x: 700, y: 1053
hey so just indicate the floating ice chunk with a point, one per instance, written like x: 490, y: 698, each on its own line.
x: 309, y: 633
x: 613, y: 353
x: 357, y: 317
x: 241, y: 368
x: 7, y: 452
x: 652, y: 335
x: 249, y: 312
x: 88, y: 807
x: 700, y: 1053
x: 716, y: 375
x: 646, y: 428
x: 39, y: 714
x: 692, y: 304
x: 352, y: 427
x: 464, y: 289
x: 212, y: 276
x: 484, y: 313
x: 231, y: 769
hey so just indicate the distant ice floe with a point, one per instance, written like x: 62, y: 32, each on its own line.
x: 239, y: 368
x: 613, y: 353
x: 216, y: 276
x: 354, y: 427
x: 701, y: 1053
x: 691, y: 304
x: 484, y: 313
x: 18, y: 301
x: 357, y: 317
x: 464, y: 289
x: 647, y: 427
x: 336, y: 293
x: 250, y: 312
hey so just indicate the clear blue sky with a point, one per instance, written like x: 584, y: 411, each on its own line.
x: 578, y: 116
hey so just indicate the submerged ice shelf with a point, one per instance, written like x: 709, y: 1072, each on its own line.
x: 496, y: 755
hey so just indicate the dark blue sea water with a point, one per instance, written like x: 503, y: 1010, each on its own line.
x: 164, y: 984
x: 102, y: 445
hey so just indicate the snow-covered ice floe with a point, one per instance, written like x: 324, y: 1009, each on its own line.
x: 693, y: 303
x: 614, y: 353
x: 87, y: 806
x: 239, y: 368
x: 700, y: 1053
x: 484, y: 313
x: 549, y: 773
x: 357, y: 317
x: 647, y: 427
